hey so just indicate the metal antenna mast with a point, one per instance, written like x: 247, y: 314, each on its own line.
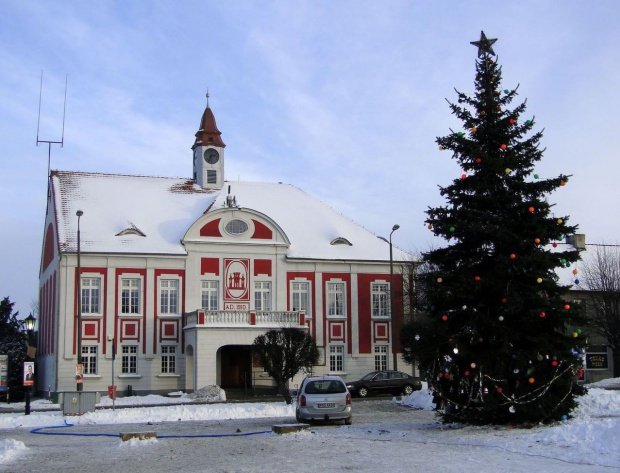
x: 62, y: 139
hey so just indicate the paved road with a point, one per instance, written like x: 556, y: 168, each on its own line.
x: 384, y: 436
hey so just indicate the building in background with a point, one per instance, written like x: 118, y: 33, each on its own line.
x: 179, y: 276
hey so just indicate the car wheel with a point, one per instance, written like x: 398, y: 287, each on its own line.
x: 408, y: 389
x: 362, y: 392
x: 348, y: 421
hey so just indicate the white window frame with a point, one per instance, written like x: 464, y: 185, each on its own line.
x: 380, y: 300
x: 168, y: 359
x: 336, y: 297
x: 89, y: 359
x: 336, y: 358
x: 381, y: 357
x: 210, y: 295
x: 169, y: 287
x: 129, y: 359
x: 132, y: 287
x: 262, y: 296
x: 300, y: 296
x: 90, y: 295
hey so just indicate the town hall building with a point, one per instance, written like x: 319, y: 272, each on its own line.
x: 166, y: 282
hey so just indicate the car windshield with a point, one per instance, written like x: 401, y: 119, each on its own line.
x: 325, y: 387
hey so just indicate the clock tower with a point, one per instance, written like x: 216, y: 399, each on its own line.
x: 208, y: 151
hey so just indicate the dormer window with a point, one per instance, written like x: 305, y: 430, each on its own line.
x: 341, y: 241
x: 132, y: 230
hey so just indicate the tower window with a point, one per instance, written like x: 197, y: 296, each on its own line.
x: 236, y: 227
x: 211, y: 176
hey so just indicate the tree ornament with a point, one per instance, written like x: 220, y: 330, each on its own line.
x: 504, y: 300
x: 560, y: 221
x: 513, y: 256
x: 452, y: 229
x: 554, y: 244
x: 455, y: 350
x: 516, y: 371
x: 441, y: 148
x: 484, y: 45
x: 536, y: 176
x: 554, y: 363
x: 576, y: 281
x: 508, y: 170
x: 503, y: 147
x: 444, y: 317
x: 539, y: 357
x: 575, y: 334
x: 478, y: 160
x: 439, y: 280
x: 563, y: 261
x: 528, y: 122
x: 474, y: 130
x: 566, y: 307
x: 482, y: 112
x: 506, y: 91
x: 460, y: 134
x: 542, y: 315
x: 512, y: 121
x: 466, y: 373
x: 575, y: 272
x: 537, y: 241
x: 512, y: 409
x: 463, y: 176
x: 539, y: 280
x: 501, y: 318
x: 430, y: 227
x: 499, y: 389
x: 562, y: 183
x: 473, y: 366
x: 531, y: 209
x: 531, y: 380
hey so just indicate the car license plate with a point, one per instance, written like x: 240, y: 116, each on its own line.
x: 326, y: 405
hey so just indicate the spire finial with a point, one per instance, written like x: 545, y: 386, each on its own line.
x: 208, y: 97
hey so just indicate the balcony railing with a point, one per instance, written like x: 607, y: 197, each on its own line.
x: 242, y: 318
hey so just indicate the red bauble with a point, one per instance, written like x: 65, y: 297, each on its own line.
x: 543, y: 315
x: 478, y: 160
x: 503, y: 147
x: 466, y: 373
x: 566, y: 307
x: 512, y: 121
x: 513, y: 256
x: 444, y: 317
x: 554, y: 363
x: 477, y: 278
x: 499, y: 390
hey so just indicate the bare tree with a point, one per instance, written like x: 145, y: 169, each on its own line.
x: 600, y: 273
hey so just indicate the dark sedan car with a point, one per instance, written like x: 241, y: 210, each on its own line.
x: 385, y: 382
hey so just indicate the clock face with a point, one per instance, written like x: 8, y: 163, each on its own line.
x: 211, y: 156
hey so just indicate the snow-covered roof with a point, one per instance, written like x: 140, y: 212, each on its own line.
x: 150, y: 215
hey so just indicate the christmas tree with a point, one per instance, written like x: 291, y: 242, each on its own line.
x: 496, y: 347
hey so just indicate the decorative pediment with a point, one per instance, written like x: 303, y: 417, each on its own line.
x: 340, y: 241
x: 131, y: 230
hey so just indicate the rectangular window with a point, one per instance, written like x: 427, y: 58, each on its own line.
x: 130, y: 296
x: 300, y: 295
x: 129, y: 363
x: 336, y: 358
x: 380, y: 300
x: 210, y: 295
x: 89, y: 359
x: 168, y: 358
x: 335, y: 299
x: 262, y: 296
x: 91, y: 290
x: 211, y: 176
x: 169, y: 296
x: 381, y: 357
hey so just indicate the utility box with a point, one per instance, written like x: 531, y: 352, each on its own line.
x: 76, y: 403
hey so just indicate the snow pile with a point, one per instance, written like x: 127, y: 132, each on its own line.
x: 209, y: 394
x: 419, y: 400
x: 10, y: 448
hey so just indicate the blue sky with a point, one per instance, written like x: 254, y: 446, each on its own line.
x: 341, y: 98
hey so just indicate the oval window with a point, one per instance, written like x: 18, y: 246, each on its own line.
x: 236, y: 227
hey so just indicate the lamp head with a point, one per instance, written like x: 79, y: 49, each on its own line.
x: 79, y: 213
x: 395, y: 227
x: 29, y: 322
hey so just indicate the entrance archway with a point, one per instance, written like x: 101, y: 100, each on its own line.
x: 236, y: 366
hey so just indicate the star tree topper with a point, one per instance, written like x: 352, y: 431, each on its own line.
x: 484, y: 45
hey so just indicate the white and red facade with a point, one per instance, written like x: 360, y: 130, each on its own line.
x: 182, y: 275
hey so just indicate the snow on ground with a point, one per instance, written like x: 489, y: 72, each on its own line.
x: 591, y: 436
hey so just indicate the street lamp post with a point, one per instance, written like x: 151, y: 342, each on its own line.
x: 394, y: 344
x: 29, y: 323
x: 79, y: 385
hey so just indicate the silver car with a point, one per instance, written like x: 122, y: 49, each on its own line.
x: 322, y: 399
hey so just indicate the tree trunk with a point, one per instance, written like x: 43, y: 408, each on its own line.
x: 285, y: 392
